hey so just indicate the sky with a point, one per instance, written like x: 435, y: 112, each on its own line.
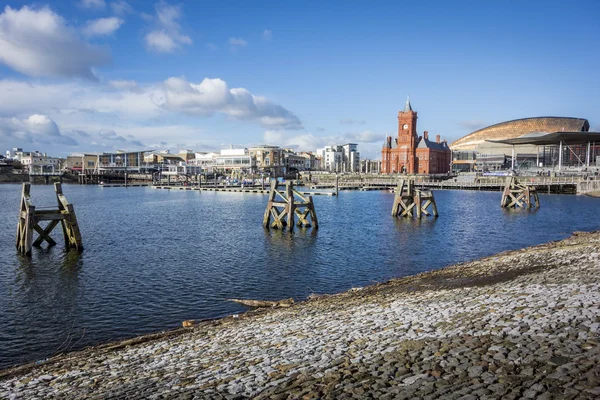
x: 102, y: 75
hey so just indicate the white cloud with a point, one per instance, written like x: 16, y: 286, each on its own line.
x: 128, y: 100
x: 120, y: 7
x: 267, y: 34
x: 37, y: 42
x: 92, y: 4
x: 102, y: 26
x: 37, y: 128
x: 213, y: 95
x: 211, y: 46
x: 161, y: 42
x: 89, y: 112
x: 237, y: 42
x: 167, y: 36
x: 125, y: 85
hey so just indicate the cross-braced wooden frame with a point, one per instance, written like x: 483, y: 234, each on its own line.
x: 518, y: 195
x: 29, y: 219
x: 283, y: 208
x: 409, y: 199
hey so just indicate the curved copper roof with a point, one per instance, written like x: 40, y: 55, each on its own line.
x: 518, y: 127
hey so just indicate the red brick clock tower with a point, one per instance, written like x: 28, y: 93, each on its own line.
x: 407, y: 137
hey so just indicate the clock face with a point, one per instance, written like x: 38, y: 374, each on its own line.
x: 405, y: 126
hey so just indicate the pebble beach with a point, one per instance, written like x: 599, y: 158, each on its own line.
x: 520, y: 324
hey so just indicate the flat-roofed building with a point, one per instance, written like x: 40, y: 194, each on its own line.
x: 82, y: 162
x: 131, y: 161
x: 235, y: 160
x: 269, y: 159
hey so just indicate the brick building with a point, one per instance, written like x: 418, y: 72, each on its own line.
x: 413, y: 154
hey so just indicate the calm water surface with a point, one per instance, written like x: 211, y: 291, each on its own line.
x: 154, y: 258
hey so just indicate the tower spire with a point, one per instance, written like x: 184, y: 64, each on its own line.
x: 407, y: 106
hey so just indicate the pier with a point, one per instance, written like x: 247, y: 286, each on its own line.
x: 543, y: 184
x: 233, y: 189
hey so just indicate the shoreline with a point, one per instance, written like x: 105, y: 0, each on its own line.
x: 389, y: 322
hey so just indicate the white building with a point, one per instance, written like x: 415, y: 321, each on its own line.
x: 40, y: 163
x: 331, y: 158
x: 351, y: 158
x: 235, y: 160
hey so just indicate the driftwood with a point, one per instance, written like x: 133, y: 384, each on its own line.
x: 264, y: 303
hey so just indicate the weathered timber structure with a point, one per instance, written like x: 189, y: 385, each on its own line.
x: 408, y: 198
x: 29, y: 219
x: 286, y: 208
x: 518, y: 195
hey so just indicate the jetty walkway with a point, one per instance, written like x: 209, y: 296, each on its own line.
x: 543, y: 184
x: 520, y: 324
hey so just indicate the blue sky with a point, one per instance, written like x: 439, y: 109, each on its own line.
x: 101, y: 75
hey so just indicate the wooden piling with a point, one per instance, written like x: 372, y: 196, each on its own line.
x: 284, y: 208
x: 29, y: 219
x: 519, y: 195
x: 408, y: 198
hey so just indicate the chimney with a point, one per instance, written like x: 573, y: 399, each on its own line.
x: 437, y: 138
x: 426, y: 135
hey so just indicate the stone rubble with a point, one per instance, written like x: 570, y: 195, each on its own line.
x: 521, y: 324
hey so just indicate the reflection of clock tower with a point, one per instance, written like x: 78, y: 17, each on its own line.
x: 407, y: 136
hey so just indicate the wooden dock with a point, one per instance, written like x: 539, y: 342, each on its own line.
x: 543, y: 184
x: 234, y: 190
x: 123, y: 184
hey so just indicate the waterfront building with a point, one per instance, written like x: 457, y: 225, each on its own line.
x: 269, y: 159
x: 82, y: 162
x: 12, y: 153
x: 180, y: 169
x: 350, y: 158
x: 483, y: 149
x: 339, y: 158
x: 205, y: 160
x: 130, y: 161
x: 40, y: 163
x: 412, y: 154
x: 331, y: 158
x: 187, y: 155
x: 235, y: 161
x: 294, y: 162
x: 310, y: 160
x: 6, y: 164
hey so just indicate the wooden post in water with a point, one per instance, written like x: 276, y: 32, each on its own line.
x: 337, y: 184
x: 29, y: 219
x: 408, y: 198
x: 518, y: 195
x: 283, y: 205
